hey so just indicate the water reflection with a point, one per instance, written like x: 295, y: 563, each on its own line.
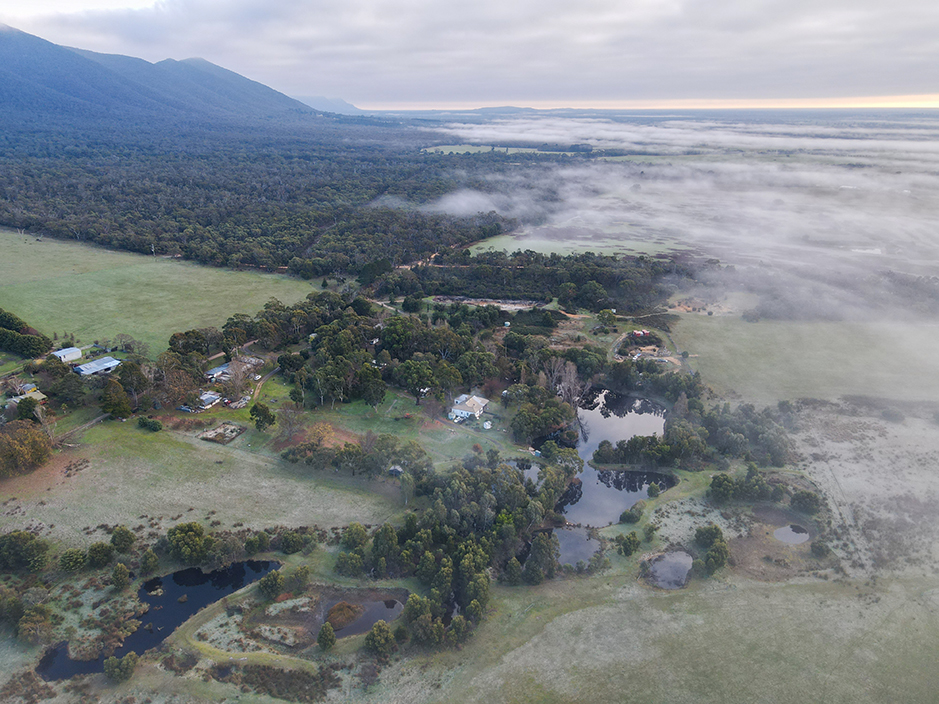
x: 166, y: 612
x: 670, y: 570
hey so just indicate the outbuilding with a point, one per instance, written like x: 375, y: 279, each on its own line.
x: 68, y: 354
x: 105, y: 365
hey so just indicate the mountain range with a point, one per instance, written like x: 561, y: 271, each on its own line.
x: 39, y: 78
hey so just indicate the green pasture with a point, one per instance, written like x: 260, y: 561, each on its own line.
x: 59, y: 286
x: 771, y: 360
x: 575, y: 239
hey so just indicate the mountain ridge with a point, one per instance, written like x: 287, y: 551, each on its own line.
x: 38, y: 77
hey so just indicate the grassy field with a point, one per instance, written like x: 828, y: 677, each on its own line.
x: 169, y: 474
x: 609, y: 640
x: 575, y: 239
x: 59, y: 286
x: 771, y: 360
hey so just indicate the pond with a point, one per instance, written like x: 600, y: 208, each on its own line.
x: 792, y: 534
x: 601, y: 496
x: 369, y: 613
x: 670, y: 570
x: 166, y: 612
x: 576, y: 545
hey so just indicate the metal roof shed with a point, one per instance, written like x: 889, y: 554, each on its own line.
x: 105, y: 365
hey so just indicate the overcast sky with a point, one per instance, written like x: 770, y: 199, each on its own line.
x: 538, y: 53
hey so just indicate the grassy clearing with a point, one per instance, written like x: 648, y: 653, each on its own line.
x: 771, y: 360
x: 443, y: 440
x: 596, y: 640
x: 170, y: 474
x: 59, y: 286
x: 573, y: 239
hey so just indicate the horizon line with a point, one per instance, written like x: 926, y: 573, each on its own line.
x: 883, y: 101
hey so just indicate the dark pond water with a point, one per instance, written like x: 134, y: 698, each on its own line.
x: 604, y: 415
x: 375, y: 611
x: 601, y: 496
x: 670, y: 571
x: 792, y: 534
x: 576, y: 545
x: 166, y: 612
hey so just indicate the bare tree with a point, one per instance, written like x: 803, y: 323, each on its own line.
x: 570, y: 387
x: 290, y: 420
x: 238, y: 375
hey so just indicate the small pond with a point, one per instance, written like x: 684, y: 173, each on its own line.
x: 600, y: 497
x: 166, y: 612
x: 576, y: 545
x: 372, y: 612
x: 670, y: 570
x: 793, y: 534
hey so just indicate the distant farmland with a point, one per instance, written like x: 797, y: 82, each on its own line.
x: 59, y: 286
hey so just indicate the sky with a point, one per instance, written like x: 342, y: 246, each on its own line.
x: 399, y: 54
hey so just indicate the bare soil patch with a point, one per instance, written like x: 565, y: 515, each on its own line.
x: 223, y: 434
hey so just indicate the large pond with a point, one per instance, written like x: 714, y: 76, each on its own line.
x: 166, y: 612
x: 601, y: 496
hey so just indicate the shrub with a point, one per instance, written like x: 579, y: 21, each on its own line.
x: 806, y: 502
x: 120, y: 576
x: 327, y: 637
x: 188, y: 543
x: 271, y: 585
x: 629, y: 544
x: 20, y: 549
x: 122, y: 539
x: 380, y: 641
x: 120, y: 669
x: 72, y: 560
x: 100, y: 554
x: 149, y: 562
x: 291, y: 542
x: 150, y: 424
x: 707, y: 535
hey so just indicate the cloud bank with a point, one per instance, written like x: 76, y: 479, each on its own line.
x: 828, y: 218
x: 494, y: 52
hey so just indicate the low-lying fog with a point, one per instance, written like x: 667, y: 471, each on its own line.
x: 835, y: 201
x: 827, y: 216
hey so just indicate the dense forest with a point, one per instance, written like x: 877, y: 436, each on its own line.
x: 321, y: 197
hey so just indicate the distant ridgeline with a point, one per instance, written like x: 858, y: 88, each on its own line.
x: 17, y: 337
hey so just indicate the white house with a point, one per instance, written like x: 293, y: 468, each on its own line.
x: 465, y: 406
x: 69, y: 354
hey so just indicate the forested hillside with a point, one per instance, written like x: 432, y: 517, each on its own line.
x: 186, y: 158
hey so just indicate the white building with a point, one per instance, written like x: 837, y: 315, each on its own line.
x: 465, y: 406
x: 69, y: 354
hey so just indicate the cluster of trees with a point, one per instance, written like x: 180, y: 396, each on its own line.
x: 591, y: 281
x: 541, y: 412
x: 17, y: 337
x: 479, y: 517
x: 24, y: 446
x: 752, y: 487
x: 711, y: 539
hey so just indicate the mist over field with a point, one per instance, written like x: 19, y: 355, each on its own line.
x: 827, y: 217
